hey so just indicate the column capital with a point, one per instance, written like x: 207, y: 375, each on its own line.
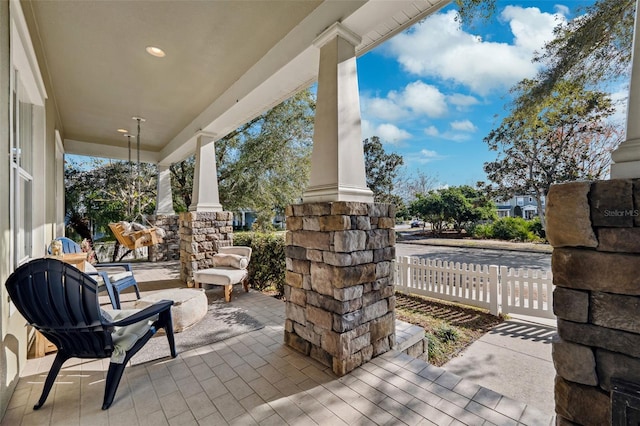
x: 202, y: 135
x: 337, y: 30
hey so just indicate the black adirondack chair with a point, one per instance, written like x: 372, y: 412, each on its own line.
x: 61, y: 302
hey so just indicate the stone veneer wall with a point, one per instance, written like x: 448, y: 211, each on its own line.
x: 594, y: 228
x: 199, y: 234
x: 339, y: 282
x: 169, y: 248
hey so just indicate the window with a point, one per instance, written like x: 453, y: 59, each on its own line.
x: 21, y: 176
x: 520, y: 201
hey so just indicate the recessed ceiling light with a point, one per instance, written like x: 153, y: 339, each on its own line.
x: 155, y: 51
x: 123, y: 131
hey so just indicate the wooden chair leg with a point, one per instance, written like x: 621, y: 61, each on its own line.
x: 245, y: 285
x: 227, y: 292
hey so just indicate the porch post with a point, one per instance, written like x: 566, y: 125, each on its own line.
x: 164, y: 203
x: 205, y: 196
x: 205, y: 227
x: 339, y: 244
x: 337, y: 160
x: 627, y: 157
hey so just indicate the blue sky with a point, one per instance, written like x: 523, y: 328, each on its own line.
x: 435, y: 91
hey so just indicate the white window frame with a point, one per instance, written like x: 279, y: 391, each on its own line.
x: 28, y: 96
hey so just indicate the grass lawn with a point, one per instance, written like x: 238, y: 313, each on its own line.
x: 450, y: 327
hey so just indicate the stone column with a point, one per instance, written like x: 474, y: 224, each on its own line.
x: 594, y: 228
x: 339, y: 287
x: 164, y: 202
x: 337, y: 160
x: 627, y: 156
x: 205, y: 196
x: 200, y: 235
x: 169, y: 248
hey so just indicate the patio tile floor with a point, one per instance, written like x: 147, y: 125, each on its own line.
x: 254, y: 379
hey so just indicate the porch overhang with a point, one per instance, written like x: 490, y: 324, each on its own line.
x: 268, y: 56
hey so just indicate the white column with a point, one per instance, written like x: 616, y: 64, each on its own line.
x: 164, y: 203
x: 205, y: 196
x: 627, y: 157
x: 337, y: 161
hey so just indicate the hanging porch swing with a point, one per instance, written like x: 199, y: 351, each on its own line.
x: 134, y: 235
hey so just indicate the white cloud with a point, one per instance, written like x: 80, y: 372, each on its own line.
x: 431, y: 131
x: 383, y: 108
x: 462, y: 102
x: 391, y: 134
x: 423, y: 156
x: 417, y: 98
x: 620, y: 100
x: 388, y: 133
x: 530, y: 27
x: 424, y: 99
x: 463, y: 126
x: 438, y: 47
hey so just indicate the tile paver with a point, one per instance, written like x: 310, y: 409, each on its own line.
x: 255, y: 379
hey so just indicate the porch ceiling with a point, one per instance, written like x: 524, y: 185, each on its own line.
x: 226, y: 62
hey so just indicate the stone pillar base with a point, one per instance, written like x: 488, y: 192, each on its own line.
x: 339, y: 282
x: 594, y: 228
x: 200, y: 232
x: 169, y: 248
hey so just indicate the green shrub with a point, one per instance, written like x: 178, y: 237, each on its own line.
x: 267, y: 266
x: 512, y: 228
x: 483, y: 230
x: 447, y: 333
x: 535, y: 226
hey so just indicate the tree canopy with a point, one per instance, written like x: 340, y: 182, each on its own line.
x: 263, y: 165
x: 563, y: 137
x: 106, y: 191
x: 382, y: 169
x: 459, y: 206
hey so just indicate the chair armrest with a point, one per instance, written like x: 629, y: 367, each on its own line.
x: 148, y: 312
x: 126, y: 266
x: 102, y: 274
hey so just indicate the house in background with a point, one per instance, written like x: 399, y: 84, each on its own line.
x: 523, y: 206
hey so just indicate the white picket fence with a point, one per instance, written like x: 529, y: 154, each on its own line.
x: 498, y: 289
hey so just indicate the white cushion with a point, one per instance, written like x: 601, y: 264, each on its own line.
x: 231, y: 260
x: 120, y: 275
x: 220, y: 276
x: 239, y: 250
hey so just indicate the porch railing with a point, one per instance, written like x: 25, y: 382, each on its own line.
x: 497, y: 289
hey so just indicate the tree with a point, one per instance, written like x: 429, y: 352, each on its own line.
x: 264, y: 164
x: 381, y: 169
x: 464, y: 205
x: 430, y: 208
x: 420, y: 183
x: 549, y: 142
x: 457, y: 205
x: 106, y: 191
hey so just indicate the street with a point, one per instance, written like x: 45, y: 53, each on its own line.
x: 511, y: 259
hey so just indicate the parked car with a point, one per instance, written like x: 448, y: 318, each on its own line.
x: 417, y: 224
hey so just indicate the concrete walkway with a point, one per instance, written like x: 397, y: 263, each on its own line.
x: 513, y: 359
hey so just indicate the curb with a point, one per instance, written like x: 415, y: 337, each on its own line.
x: 478, y: 244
